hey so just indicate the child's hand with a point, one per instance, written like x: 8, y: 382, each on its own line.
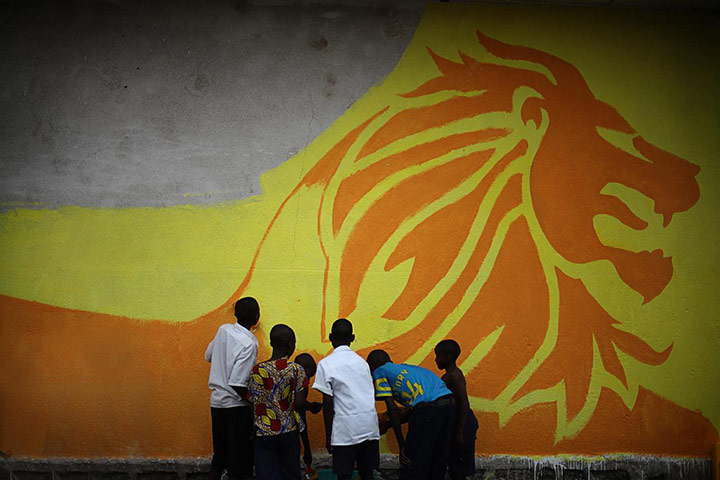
x: 383, y: 422
x: 457, y: 440
x: 307, y: 458
x: 315, y: 407
x: 404, y: 461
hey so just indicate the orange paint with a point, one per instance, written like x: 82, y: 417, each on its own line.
x: 82, y: 384
x: 654, y: 426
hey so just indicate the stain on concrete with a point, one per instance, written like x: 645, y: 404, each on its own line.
x: 200, y: 83
x: 392, y: 21
x: 330, y: 81
x: 319, y: 43
x: 393, y: 30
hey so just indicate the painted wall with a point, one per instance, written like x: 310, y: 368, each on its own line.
x: 539, y: 184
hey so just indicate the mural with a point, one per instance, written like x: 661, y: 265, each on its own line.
x: 484, y: 192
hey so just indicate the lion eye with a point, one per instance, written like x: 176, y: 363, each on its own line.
x: 621, y: 140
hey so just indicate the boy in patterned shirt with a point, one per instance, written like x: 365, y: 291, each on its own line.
x: 277, y: 389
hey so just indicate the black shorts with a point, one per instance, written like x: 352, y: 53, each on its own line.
x: 462, y: 460
x: 366, y: 455
x: 232, y: 433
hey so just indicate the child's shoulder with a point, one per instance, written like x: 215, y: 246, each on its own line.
x: 455, y: 375
x: 224, y: 327
x: 296, y: 366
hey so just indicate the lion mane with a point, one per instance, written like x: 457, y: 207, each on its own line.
x: 479, y: 190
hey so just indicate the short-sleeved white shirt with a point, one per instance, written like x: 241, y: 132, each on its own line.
x: 346, y: 376
x: 233, y: 354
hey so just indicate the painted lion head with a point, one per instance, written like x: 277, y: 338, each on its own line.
x: 466, y: 209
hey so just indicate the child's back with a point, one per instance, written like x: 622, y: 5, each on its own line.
x: 351, y: 424
x: 273, y: 385
x: 345, y: 376
x: 277, y: 390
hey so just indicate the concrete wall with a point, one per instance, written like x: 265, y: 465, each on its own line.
x: 116, y: 104
x: 538, y: 183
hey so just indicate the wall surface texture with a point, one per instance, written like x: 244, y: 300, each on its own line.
x: 540, y: 184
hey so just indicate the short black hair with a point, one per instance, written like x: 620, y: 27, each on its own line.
x: 305, y: 360
x: 281, y: 336
x: 247, y: 311
x: 342, y: 330
x: 377, y: 358
x: 448, y: 347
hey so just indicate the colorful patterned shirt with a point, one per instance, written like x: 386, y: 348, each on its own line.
x: 272, y: 389
x: 408, y: 384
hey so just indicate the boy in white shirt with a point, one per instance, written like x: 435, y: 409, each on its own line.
x: 232, y: 355
x: 351, y: 424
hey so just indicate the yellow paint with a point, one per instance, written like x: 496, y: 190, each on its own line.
x: 178, y: 263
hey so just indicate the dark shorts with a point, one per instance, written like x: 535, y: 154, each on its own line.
x: 277, y: 457
x: 232, y: 434
x: 365, y: 455
x: 427, y: 444
x: 462, y: 461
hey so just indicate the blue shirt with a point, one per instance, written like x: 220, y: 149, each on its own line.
x: 408, y: 384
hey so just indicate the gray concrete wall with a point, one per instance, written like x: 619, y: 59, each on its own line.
x: 128, y: 103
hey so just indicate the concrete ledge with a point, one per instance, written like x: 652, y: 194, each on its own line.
x: 494, y: 467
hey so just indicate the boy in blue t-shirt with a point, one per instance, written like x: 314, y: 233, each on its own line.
x: 424, y: 453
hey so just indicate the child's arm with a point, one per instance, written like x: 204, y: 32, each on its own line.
x: 211, y: 346
x: 456, y: 384
x: 394, y: 415
x: 242, y: 368
x: 307, y: 450
x: 328, y: 415
x: 307, y: 406
x: 301, y: 402
x: 208, y: 352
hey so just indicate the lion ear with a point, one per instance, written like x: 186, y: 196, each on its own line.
x: 532, y: 110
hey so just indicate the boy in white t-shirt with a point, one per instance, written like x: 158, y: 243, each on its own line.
x: 351, y: 424
x: 232, y: 355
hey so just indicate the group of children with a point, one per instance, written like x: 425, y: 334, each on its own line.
x: 261, y: 407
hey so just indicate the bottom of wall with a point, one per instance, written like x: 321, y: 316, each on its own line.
x: 614, y: 467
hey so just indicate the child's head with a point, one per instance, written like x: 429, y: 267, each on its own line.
x: 446, y: 353
x: 306, y: 361
x: 378, y: 358
x: 247, y: 312
x: 282, y: 340
x: 341, y: 333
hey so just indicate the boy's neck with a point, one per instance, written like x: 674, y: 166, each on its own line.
x: 451, y: 368
x: 278, y: 354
